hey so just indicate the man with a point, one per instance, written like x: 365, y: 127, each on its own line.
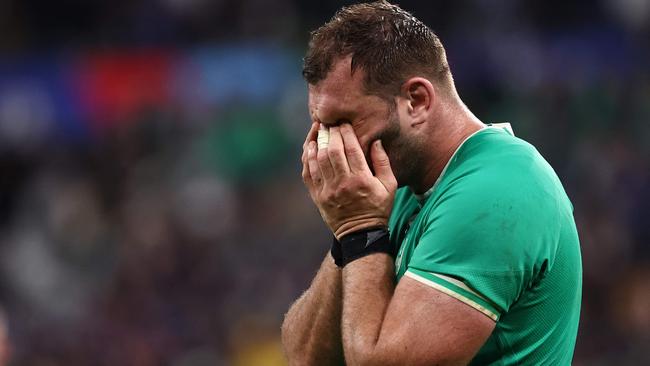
x: 474, y: 259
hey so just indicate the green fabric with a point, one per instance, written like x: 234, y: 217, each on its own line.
x: 499, y: 221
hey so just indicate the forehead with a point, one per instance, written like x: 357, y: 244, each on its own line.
x: 340, y: 91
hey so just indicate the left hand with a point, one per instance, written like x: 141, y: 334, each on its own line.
x: 347, y: 194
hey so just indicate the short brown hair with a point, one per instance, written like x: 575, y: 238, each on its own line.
x: 387, y: 42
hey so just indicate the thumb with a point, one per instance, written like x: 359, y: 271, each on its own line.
x: 381, y: 166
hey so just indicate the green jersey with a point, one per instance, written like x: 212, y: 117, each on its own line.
x: 496, y: 231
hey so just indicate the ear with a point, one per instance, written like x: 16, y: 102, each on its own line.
x: 419, y: 96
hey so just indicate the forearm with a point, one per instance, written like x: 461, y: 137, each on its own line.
x: 368, y: 285
x: 311, y: 332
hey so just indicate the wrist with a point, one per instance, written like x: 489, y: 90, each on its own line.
x: 360, y: 225
x: 337, y: 252
x: 365, y: 242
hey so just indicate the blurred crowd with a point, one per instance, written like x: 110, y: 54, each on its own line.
x: 151, y: 205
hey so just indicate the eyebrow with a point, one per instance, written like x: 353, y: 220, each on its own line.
x: 339, y: 114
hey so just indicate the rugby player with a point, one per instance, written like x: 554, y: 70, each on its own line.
x: 455, y: 242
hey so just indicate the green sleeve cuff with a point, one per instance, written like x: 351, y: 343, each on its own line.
x: 455, y: 289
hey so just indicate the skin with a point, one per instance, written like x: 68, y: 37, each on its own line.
x: 311, y: 332
x: 372, y: 151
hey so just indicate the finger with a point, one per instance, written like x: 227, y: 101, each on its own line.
x: 306, y: 175
x: 381, y: 166
x: 326, y: 170
x: 312, y: 164
x: 356, y: 159
x: 311, y: 136
x: 305, y: 146
x: 303, y: 158
x: 336, y: 153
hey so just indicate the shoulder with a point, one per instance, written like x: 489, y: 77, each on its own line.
x: 499, y: 200
x: 503, y: 172
x: 493, y: 222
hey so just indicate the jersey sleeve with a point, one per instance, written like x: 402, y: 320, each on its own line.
x: 474, y: 247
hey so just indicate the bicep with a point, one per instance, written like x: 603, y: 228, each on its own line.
x: 424, y: 326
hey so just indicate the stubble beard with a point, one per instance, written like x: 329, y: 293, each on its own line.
x: 406, y: 154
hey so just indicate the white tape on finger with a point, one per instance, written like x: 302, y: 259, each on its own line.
x: 323, y: 139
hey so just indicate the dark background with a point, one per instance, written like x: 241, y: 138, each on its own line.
x: 151, y: 205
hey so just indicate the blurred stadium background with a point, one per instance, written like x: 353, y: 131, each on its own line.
x: 151, y: 206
